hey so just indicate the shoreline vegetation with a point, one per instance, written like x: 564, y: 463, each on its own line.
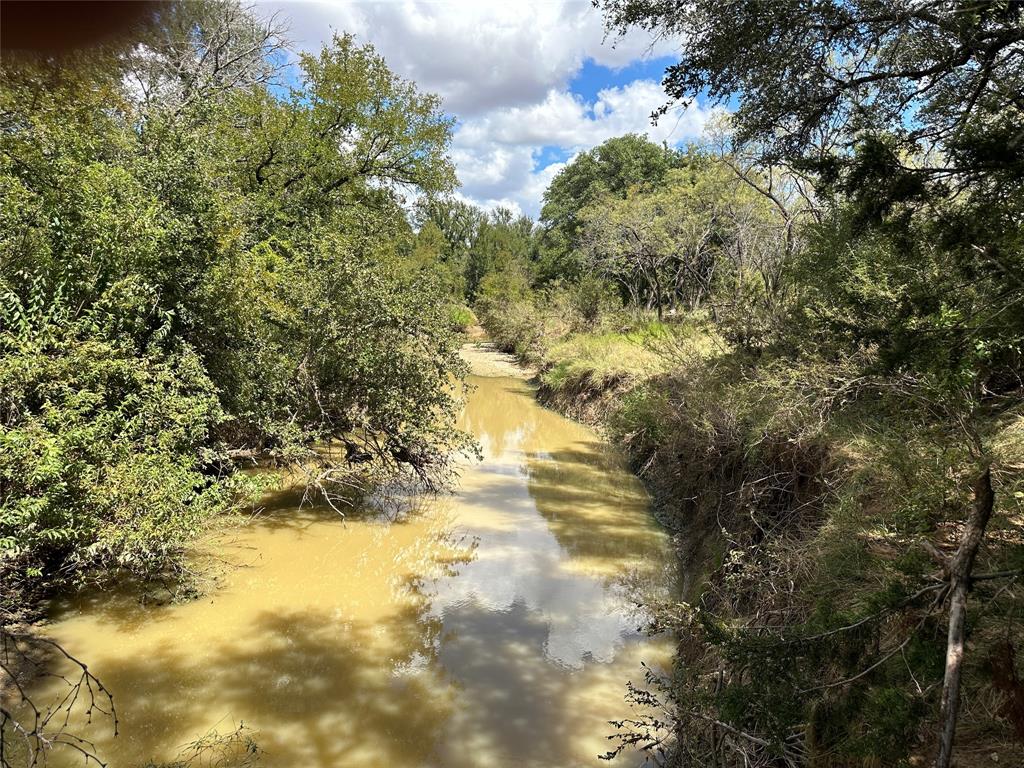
x: 806, y: 331
x: 786, y: 487
x: 206, y: 261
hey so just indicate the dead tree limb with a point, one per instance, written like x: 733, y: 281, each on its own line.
x: 959, y: 583
x: 39, y: 728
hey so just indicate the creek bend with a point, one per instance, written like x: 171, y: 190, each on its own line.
x: 497, y: 626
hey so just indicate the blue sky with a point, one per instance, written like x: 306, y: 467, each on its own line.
x: 530, y: 82
x: 593, y: 77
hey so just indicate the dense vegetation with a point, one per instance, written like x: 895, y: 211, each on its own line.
x: 201, y: 267
x: 806, y: 332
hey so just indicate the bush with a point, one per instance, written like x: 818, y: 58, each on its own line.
x: 186, y: 278
x: 103, y: 450
x: 461, y: 318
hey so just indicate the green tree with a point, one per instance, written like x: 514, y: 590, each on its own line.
x: 613, y: 168
x: 940, y: 74
x: 501, y: 244
x: 698, y: 238
x: 457, y: 220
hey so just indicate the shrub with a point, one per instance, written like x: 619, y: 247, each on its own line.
x: 461, y: 318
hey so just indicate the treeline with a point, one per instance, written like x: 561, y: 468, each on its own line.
x: 629, y: 227
x: 204, y: 263
x: 807, y: 333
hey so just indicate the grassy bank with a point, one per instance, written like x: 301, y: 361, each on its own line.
x: 810, y: 504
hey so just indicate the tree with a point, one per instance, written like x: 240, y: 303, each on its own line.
x: 195, y: 275
x: 939, y: 73
x: 502, y: 244
x: 351, y: 133
x: 610, y: 169
x: 193, y: 51
x: 456, y: 224
x: 698, y: 237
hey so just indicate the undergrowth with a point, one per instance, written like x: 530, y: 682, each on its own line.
x: 808, y: 498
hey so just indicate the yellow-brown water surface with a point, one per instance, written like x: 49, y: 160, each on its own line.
x: 494, y: 627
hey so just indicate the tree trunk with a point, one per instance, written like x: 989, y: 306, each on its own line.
x: 959, y: 583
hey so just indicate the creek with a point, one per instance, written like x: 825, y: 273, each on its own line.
x: 496, y: 626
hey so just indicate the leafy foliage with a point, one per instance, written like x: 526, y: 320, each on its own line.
x: 612, y: 169
x: 198, y: 265
x: 937, y: 73
x: 695, y: 238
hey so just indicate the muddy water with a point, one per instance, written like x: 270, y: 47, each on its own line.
x: 496, y: 627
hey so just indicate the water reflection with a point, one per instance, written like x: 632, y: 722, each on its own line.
x: 544, y: 610
x: 496, y: 627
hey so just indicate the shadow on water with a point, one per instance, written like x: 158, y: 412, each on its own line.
x: 320, y: 686
x: 593, y: 507
x: 312, y: 686
x: 293, y: 506
x: 315, y: 691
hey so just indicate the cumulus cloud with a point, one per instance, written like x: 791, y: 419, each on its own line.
x: 476, y: 54
x: 504, y: 69
x: 496, y: 153
x: 565, y: 120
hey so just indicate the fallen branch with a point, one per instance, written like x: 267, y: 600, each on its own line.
x: 959, y: 584
x: 41, y: 729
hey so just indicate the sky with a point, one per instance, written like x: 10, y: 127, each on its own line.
x: 529, y: 82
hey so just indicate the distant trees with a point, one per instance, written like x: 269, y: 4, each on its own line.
x: 675, y: 230
x: 697, y: 238
x: 476, y: 243
x: 502, y: 244
x: 612, y: 169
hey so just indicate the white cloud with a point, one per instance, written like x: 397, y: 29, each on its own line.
x: 565, y: 120
x: 478, y: 55
x: 503, y: 69
x: 495, y: 153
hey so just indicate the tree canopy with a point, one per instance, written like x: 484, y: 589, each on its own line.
x: 614, y: 167
x: 933, y: 72
x: 198, y: 266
